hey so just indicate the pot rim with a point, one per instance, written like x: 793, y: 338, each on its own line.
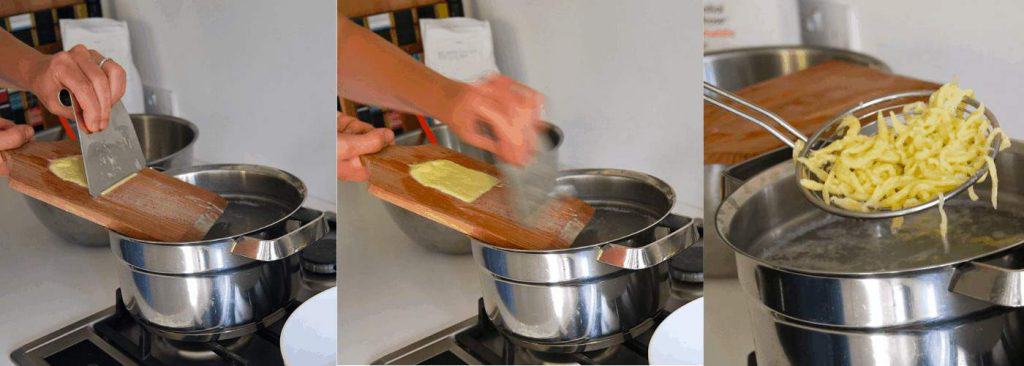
x: 780, y: 170
x: 278, y: 173
x: 646, y: 178
x: 873, y: 62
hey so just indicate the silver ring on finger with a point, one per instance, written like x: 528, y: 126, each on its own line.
x: 105, y: 59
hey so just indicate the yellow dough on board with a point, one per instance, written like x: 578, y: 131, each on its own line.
x: 453, y: 179
x: 71, y: 169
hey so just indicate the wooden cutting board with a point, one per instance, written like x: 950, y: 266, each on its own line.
x: 806, y: 99
x: 149, y: 206
x: 489, y: 218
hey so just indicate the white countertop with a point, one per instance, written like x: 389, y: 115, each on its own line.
x: 727, y: 328
x: 393, y: 291
x: 46, y: 283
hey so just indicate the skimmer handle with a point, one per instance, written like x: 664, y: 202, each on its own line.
x: 711, y: 90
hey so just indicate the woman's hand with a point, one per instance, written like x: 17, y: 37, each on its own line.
x: 355, y: 139
x: 95, y: 88
x: 12, y: 136
x: 499, y: 115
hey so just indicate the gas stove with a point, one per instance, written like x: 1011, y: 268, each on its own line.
x: 477, y: 341
x: 112, y: 337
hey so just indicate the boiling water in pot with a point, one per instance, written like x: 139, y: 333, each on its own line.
x: 821, y: 242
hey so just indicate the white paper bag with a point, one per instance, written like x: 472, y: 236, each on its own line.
x: 458, y: 48
x: 110, y: 38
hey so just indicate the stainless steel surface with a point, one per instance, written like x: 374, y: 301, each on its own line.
x: 116, y: 335
x: 428, y: 233
x: 166, y: 140
x: 823, y: 269
x: 631, y: 210
x: 690, y: 261
x: 467, y: 341
x: 576, y: 317
x: 311, y: 226
x: 210, y: 289
x: 612, y: 281
x: 738, y: 68
x: 212, y: 306
x: 684, y: 234
x: 999, y: 281
x: 989, y: 338
x: 529, y: 186
x: 110, y: 155
x: 867, y: 113
x: 728, y: 339
x: 166, y: 143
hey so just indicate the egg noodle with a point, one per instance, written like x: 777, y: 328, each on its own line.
x: 931, y: 149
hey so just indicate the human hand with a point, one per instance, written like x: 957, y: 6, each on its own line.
x: 357, y: 138
x: 79, y: 71
x: 499, y: 115
x: 12, y: 136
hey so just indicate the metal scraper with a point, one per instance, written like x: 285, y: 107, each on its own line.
x: 531, y: 185
x: 110, y: 155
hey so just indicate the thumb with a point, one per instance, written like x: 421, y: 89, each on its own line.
x: 15, y: 136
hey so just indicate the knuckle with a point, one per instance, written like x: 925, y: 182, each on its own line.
x: 62, y: 58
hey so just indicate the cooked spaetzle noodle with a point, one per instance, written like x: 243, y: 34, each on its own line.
x: 934, y: 148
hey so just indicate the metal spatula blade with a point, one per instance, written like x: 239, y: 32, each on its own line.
x: 530, y: 186
x: 112, y: 154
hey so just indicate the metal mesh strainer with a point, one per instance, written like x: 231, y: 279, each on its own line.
x: 865, y: 113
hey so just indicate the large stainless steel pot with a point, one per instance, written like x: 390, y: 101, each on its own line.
x: 428, y: 233
x: 242, y: 276
x: 988, y: 338
x: 166, y: 143
x: 816, y: 278
x: 608, y: 286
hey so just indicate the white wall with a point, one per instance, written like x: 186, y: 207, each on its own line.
x: 257, y: 77
x: 938, y: 39
x: 622, y: 80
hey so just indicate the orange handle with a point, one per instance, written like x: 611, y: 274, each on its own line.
x: 426, y: 129
x: 67, y: 128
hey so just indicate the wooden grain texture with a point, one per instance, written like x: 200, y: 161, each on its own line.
x: 362, y: 8
x: 149, y: 206
x: 807, y: 99
x: 489, y: 218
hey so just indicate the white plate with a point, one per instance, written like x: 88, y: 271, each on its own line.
x: 310, y: 336
x: 679, y: 340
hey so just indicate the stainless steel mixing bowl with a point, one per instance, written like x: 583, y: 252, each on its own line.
x: 167, y: 144
x: 737, y: 68
x: 430, y: 234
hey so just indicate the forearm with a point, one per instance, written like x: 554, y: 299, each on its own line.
x: 373, y: 71
x: 16, y: 62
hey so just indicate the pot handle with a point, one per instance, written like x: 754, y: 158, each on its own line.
x: 989, y: 281
x: 684, y: 233
x: 312, y: 225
